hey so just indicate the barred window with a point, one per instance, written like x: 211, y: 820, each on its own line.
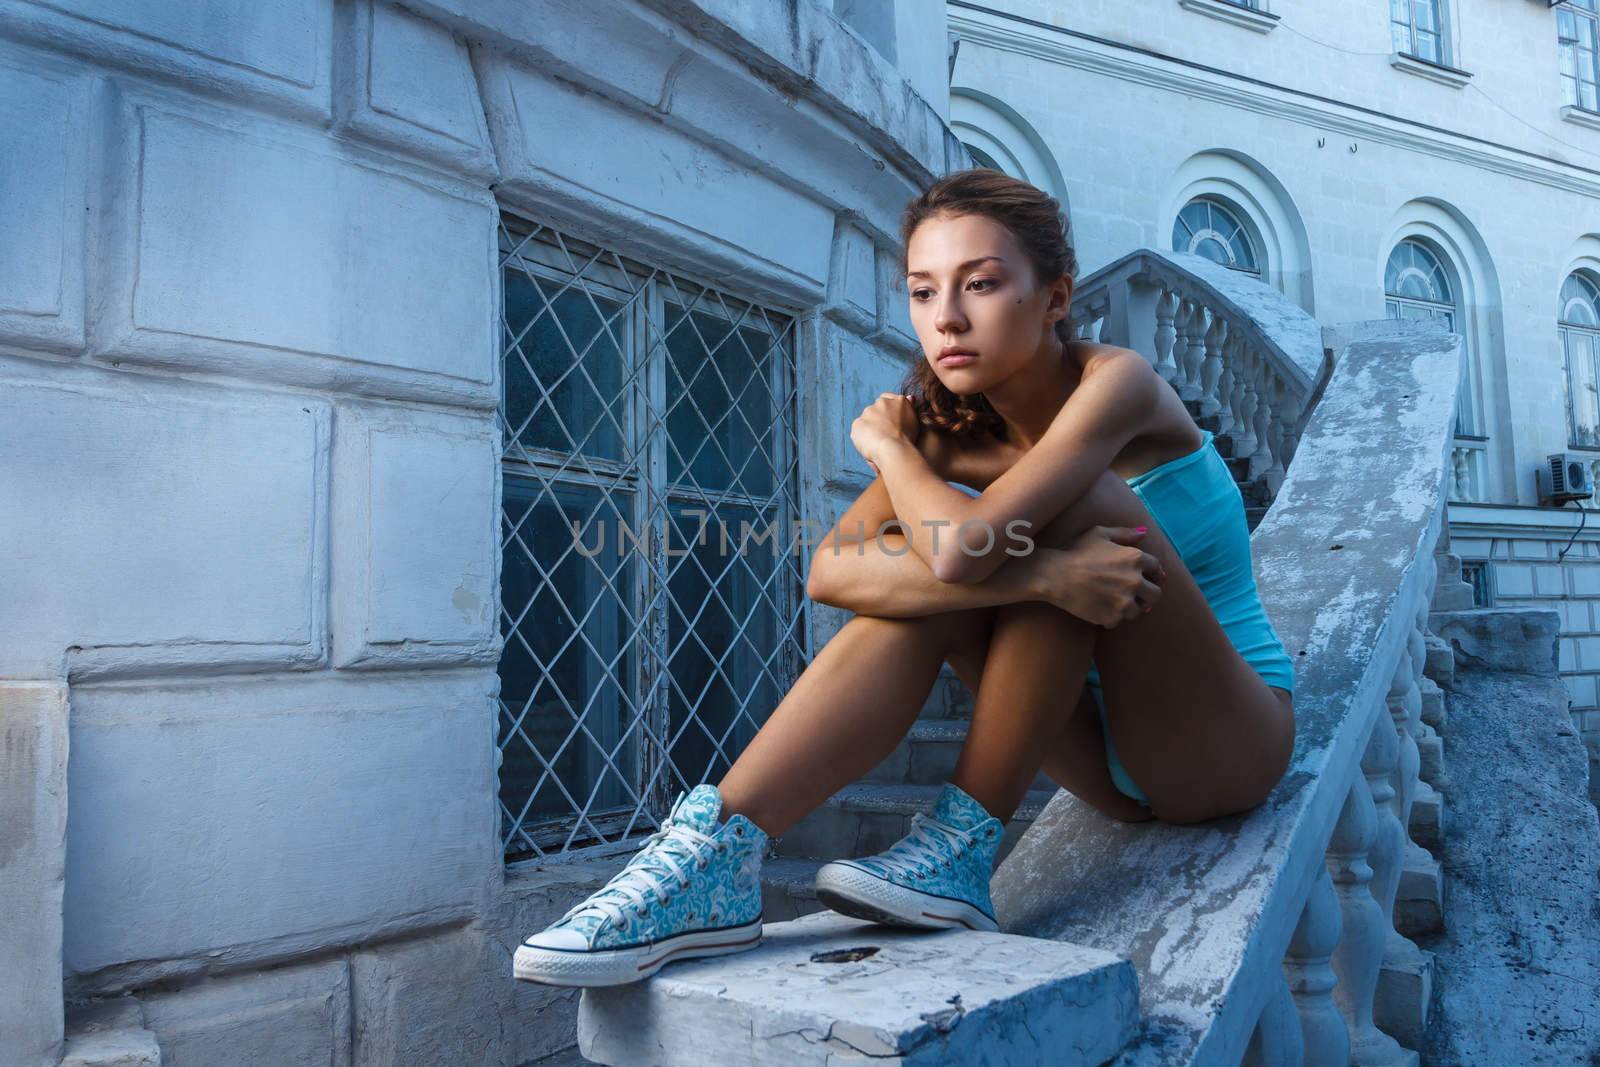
x: 1577, y: 29
x: 652, y: 595
x: 1416, y: 28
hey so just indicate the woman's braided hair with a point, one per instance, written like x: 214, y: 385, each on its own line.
x: 1035, y: 218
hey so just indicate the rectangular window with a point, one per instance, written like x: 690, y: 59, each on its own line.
x: 1416, y: 28
x: 1576, y: 31
x: 648, y: 426
x: 1581, y: 349
x: 1476, y: 574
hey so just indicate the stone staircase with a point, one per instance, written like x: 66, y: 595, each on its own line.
x: 870, y: 815
x: 1284, y: 935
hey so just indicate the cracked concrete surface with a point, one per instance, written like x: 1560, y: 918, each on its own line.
x: 924, y: 997
x: 1517, y: 972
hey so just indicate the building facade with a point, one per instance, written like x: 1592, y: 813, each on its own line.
x: 1428, y: 159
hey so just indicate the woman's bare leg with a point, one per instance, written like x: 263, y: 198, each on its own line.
x: 1024, y: 719
x: 845, y: 713
x: 1195, y: 725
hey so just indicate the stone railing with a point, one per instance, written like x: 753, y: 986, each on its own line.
x: 1269, y: 937
x: 1239, y: 348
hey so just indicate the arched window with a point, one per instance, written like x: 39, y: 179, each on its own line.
x: 1578, y: 323
x: 1209, y: 228
x: 1417, y: 29
x: 1415, y: 286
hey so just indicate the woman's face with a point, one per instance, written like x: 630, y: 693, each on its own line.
x: 971, y: 286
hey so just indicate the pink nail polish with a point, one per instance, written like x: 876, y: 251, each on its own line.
x: 1139, y: 528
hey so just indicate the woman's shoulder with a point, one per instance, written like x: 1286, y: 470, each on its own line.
x: 1092, y: 356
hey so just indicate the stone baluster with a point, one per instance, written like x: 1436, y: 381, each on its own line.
x: 1366, y: 925
x: 1245, y: 436
x: 1180, y: 344
x: 1276, y: 1040
x: 1229, y: 386
x: 1458, y: 474
x: 1166, y: 335
x: 1211, y: 366
x: 1405, y: 707
x: 1194, y: 350
x: 1277, y: 430
x: 1307, y: 967
x: 1261, y: 385
x: 1289, y: 410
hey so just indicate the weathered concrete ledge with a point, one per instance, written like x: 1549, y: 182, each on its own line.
x: 1501, y: 639
x: 1206, y: 912
x: 826, y: 987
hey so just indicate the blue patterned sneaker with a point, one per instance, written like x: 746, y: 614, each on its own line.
x: 694, y: 889
x: 935, y: 876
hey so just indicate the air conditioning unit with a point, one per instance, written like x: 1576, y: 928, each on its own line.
x: 1563, y: 478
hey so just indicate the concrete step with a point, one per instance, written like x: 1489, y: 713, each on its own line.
x: 1433, y: 707
x: 868, y: 817
x: 1440, y: 664
x: 928, y: 754
x: 1419, y: 901
x: 788, y: 888
x: 1428, y: 821
x: 826, y: 989
x: 1405, y: 991
x: 948, y: 700
x: 109, y: 1033
x: 1430, y: 753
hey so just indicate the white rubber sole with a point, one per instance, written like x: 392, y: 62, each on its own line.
x: 619, y: 966
x: 852, y: 891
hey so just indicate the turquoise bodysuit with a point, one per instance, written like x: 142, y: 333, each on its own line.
x: 1197, y: 504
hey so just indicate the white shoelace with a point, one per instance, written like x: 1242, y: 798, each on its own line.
x: 916, y: 850
x: 625, y: 888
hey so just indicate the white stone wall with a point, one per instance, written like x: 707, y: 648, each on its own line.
x: 1334, y: 154
x: 248, y: 370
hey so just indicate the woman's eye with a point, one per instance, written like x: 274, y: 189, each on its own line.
x: 916, y: 294
x: 983, y: 281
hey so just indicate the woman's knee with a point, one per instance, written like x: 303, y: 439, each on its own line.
x: 1107, y: 502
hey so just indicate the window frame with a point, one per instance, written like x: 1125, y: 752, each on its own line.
x: 1445, y: 34
x: 1463, y: 430
x: 1565, y: 330
x: 640, y: 480
x: 1573, y: 85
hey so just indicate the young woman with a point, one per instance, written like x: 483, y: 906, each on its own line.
x: 1105, y: 527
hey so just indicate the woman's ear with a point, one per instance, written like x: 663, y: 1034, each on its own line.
x: 1059, y: 305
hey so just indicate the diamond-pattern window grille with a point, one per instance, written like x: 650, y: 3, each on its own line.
x: 652, y: 594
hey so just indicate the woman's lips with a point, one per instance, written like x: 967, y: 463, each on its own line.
x: 956, y: 359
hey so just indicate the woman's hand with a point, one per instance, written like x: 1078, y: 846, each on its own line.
x: 1101, y: 578
x: 888, y: 418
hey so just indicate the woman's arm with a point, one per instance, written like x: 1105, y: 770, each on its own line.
x: 882, y: 576
x: 1109, y: 408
